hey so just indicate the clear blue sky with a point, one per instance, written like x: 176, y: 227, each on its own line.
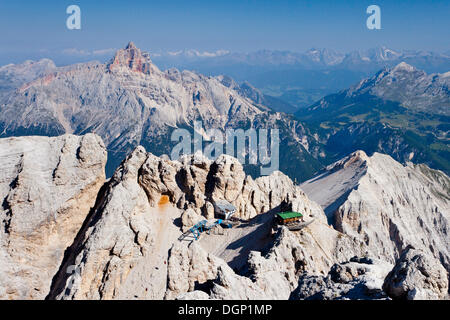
x: 32, y: 28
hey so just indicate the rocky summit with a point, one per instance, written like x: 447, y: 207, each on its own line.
x: 131, y: 58
x: 374, y: 229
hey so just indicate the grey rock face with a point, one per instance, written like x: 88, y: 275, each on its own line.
x: 136, y: 247
x: 13, y: 76
x: 188, y: 266
x: 411, y: 88
x: 129, y: 247
x: 386, y: 205
x: 47, y: 188
x: 121, y: 252
x: 193, y: 295
x: 230, y: 286
x: 417, y: 276
x: 357, y: 279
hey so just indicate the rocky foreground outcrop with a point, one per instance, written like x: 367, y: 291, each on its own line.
x: 47, y: 187
x: 129, y: 247
x: 273, y: 274
x: 417, y: 276
x: 358, y: 278
x: 68, y: 234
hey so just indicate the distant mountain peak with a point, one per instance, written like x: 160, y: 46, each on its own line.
x: 131, y: 45
x: 403, y: 66
x: 410, y: 87
x: 131, y: 58
x: 325, y: 56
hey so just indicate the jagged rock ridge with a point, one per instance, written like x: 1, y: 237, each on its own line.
x: 386, y: 205
x: 127, y: 246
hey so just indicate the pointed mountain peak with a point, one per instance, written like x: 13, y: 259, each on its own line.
x: 403, y: 66
x: 358, y: 158
x: 130, y: 45
x: 131, y: 58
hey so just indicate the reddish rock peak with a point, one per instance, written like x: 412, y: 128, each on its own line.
x: 132, y: 58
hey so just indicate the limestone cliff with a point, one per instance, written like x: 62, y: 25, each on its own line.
x: 47, y: 188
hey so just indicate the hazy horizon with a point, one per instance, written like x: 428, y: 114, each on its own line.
x: 72, y: 56
x: 34, y: 30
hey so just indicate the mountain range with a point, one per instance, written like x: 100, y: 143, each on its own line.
x: 401, y: 111
x: 315, y: 58
x: 298, y: 78
x: 128, y: 101
x: 301, y: 78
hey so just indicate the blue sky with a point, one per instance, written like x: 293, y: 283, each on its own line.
x: 31, y: 29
